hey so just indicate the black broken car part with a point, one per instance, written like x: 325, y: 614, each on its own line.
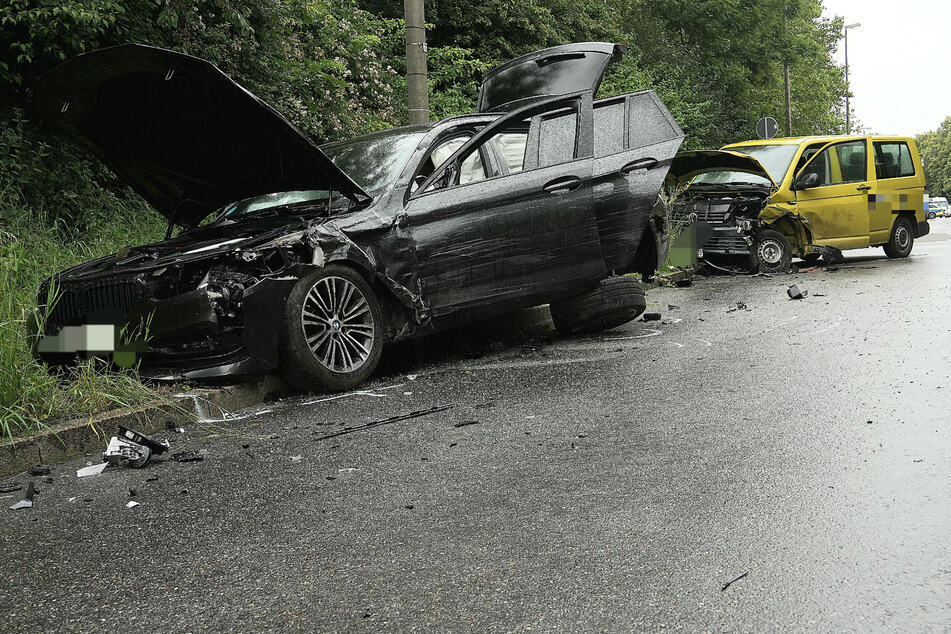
x: 537, y: 198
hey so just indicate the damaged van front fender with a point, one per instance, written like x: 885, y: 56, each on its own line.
x: 796, y: 228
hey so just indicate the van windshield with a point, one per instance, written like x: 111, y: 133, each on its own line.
x: 775, y: 159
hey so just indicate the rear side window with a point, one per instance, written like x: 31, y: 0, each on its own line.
x: 609, y: 128
x: 648, y: 124
x: 893, y: 160
x: 556, y: 138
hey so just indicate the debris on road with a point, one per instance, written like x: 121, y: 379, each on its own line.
x: 40, y: 470
x: 10, y: 487
x: 132, y: 448
x: 732, y: 581
x: 131, y: 504
x: 794, y: 292
x: 386, y: 421
x: 739, y: 306
x: 672, y: 307
x: 187, y: 456
x: 651, y: 316
x: 466, y: 423
x: 27, y: 501
x: 91, y: 470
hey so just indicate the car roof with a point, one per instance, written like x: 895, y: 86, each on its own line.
x: 814, y: 139
x: 482, y: 117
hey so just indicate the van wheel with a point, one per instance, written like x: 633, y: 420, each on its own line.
x: 615, y: 301
x: 331, y: 331
x: 902, y: 239
x: 770, y: 252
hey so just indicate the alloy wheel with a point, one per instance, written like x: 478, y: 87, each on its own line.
x: 338, y: 324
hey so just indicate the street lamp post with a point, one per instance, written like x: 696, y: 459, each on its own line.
x: 848, y: 122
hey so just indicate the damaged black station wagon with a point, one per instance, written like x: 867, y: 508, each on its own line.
x: 308, y: 260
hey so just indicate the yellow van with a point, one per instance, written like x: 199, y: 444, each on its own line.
x: 770, y: 200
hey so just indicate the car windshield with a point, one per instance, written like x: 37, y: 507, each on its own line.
x: 279, y: 202
x: 376, y: 162
x: 775, y: 159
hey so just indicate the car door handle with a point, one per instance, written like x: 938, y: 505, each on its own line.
x: 562, y: 185
x: 645, y: 163
x: 864, y: 188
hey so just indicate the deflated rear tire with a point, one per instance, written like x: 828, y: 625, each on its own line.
x: 902, y: 239
x: 331, y: 331
x: 770, y: 252
x: 615, y: 301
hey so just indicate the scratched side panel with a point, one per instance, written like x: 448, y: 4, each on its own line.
x: 506, y: 243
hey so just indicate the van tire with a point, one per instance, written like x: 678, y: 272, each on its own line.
x: 615, y: 301
x: 901, y: 240
x: 770, y: 252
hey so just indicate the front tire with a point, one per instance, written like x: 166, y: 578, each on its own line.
x: 902, y: 239
x: 331, y: 331
x: 770, y: 252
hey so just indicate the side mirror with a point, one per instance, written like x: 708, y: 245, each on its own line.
x: 805, y: 180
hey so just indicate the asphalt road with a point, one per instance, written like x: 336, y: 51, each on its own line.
x: 611, y: 483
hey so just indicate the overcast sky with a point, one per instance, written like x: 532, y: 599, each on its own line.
x: 899, y: 62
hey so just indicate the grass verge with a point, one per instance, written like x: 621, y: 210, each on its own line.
x: 33, y: 245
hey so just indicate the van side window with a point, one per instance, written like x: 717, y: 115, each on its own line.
x: 893, y: 160
x: 807, y: 154
x: 840, y: 163
x: 852, y: 161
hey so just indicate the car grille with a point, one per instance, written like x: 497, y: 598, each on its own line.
x: 76, y: 303
x: 712, y: 211
x: 726, y: 242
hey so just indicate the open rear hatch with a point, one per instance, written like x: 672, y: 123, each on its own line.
x: 550, y: 72
x: 181, y: 133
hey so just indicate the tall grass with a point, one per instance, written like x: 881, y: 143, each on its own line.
x: 36, y: 241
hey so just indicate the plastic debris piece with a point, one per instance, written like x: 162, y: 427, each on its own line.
x: 132, y: 492
x: 155, y: 446
x: 296, y: 458
x: 733, y: 580
x: 466, y: 423
x: 27, y: 501
x: 672, y: 307
x: 131, y: 504
x: 348, y: 470
x: 411, y: 377
x: 92, y: 470
x: 739, y: 306
x: 40, y: 470
x: 651, y: 316
x: 187, y: 456
x: 10, y: 487
x: 125, y: 452
x: 794, y: 292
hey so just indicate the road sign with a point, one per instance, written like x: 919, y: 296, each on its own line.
x: 767, y: 127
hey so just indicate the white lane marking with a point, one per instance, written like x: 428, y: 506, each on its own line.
x: 357, y: 393
x: 652, y: 333
x: 679, y: 345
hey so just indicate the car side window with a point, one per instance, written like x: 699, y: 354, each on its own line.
x: 840, y: 163
x: 893, y: 160
x: 471, y: 170
x: 608, y: 128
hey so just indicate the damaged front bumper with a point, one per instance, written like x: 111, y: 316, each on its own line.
x: 188, y: 336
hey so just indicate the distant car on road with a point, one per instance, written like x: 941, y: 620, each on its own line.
x: 940, y: 206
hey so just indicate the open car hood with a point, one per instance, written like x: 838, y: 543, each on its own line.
x: 550, y: 72
x: 688, y: 165
x: 181, y: 133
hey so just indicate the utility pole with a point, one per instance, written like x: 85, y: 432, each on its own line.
x: 788, y: 102
x: 417, y: 85
x: 848, y: 114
